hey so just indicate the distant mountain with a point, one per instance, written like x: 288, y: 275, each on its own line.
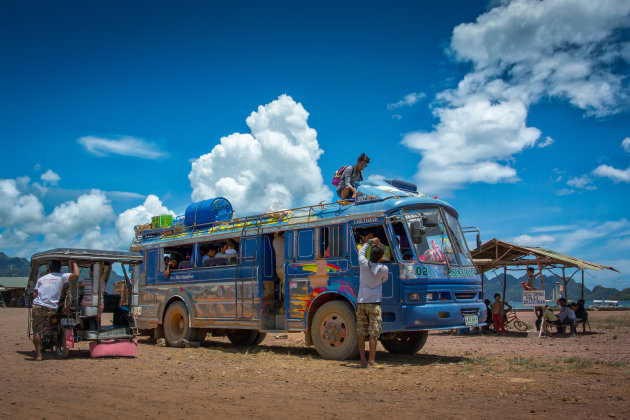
x: 13, y: 267
x: 623, y: 295
x: 514, y: 289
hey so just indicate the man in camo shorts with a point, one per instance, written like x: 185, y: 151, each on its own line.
x: 372, y: 275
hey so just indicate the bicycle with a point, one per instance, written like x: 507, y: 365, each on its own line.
x: 511, y: 320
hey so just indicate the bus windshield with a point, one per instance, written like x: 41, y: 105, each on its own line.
x: 435, y: 240
x: 459, y: 244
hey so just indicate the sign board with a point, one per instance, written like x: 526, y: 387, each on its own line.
x: 533, y: 298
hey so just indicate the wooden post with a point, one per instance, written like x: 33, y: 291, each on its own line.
x: 564, y: 282
x: 504, y: 282
x: 582, y: 284
x: 482, y: 293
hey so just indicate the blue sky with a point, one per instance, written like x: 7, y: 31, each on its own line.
x: 515, y: 112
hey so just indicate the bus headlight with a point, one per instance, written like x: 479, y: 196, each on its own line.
x: 414, y: 296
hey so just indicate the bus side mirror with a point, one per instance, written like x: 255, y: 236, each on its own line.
x: 430, y: 219
x: 416, y: 232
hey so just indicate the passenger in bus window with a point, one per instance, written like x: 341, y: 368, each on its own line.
x: 211, y: 252
x: 173, y: 263
x: 232, y: 247
x: 351, y: 176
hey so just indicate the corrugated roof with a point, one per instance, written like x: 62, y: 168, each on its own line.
x: 13, y: 282
x: 497, y: 253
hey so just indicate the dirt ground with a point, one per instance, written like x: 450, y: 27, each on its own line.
x: 454, y: 376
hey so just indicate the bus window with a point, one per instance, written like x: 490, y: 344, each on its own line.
x: 305, y: 244
x: 460, y: 246
x: 330, y: 242
x: 218, y: 253
x: 363, y: 233
x: 182, y: 254
x: 402, y: 241
x: 429, y: 237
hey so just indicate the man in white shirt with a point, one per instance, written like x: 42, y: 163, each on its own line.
x: 46, y: 299
x: 372, y: 275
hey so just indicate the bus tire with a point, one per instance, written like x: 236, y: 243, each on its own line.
x: 334, y: 331
x: 259, y: 338
x: 199, y: 334
x: 176, y: 326
x: 243, y: 337
x: 405, y: 342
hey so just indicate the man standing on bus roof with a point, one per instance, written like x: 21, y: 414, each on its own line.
x: 372, y: 275
x: 46, y: 299
x: 351, y: 175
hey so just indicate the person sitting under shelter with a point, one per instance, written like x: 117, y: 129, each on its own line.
x: 550, y: 317
x: 580, y: 311
x: 566, y: 315
x: 531, y: 277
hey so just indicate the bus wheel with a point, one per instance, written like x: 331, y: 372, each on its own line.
x: 259, y: 338
x: 199, y: 334
x: 176, y: 328
x: 405, y: 342
x: 61, y: 349
x: 243, y: 337
x: 334, y: 331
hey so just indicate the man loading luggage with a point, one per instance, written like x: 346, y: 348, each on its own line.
x: 46, y: 298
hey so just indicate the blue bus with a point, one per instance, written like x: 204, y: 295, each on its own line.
x: 298, y: 271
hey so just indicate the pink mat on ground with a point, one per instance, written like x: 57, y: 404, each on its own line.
x: 128, y: 348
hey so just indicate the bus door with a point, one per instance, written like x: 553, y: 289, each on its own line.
x: 361, y: 234
x: 151, y: 266
x: 247, y: 290
x: 272, y: 306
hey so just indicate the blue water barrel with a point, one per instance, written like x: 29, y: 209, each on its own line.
x: 208, y: 211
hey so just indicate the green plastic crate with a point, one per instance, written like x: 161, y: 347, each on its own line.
x: 161, y: 221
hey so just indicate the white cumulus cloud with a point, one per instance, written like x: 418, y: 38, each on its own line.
x: 547, y: 141
x: 276, y: 161
x: 617, y: 175
x: 74, y: 218
x: 409, y: 99
x: 582, y: 182
x: 520, y: 52
x: 16, y: 206
x: 50, y: 177
x: 125, y: 146
x: 539, y: 241
x: 141, y: 214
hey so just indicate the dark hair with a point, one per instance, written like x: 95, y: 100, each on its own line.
x: 530, y: 269
x: 363, y: 158
x: 486, y: 301
x: 497, y: 294
x: 572, y: 304
x: 581, y: 302
x: 232, y: 242
x: 54, y: 266
x: 562, y: 300
x: 377, y: 252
